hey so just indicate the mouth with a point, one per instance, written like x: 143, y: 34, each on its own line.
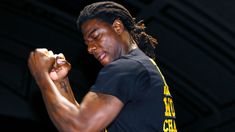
x: 101, y: 56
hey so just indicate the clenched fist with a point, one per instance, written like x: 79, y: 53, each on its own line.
x: 44, y: 63
x: 60, y: 69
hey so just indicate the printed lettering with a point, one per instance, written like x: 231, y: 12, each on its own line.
x: 169, y: 125
x: 169, y: 107
x: 166, y: 90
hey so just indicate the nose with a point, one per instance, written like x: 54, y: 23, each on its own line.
x: 91, y: 48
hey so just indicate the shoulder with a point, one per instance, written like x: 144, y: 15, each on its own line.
x: 124, y: 64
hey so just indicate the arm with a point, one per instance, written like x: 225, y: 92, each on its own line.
x: 94, y: 113
x: 65, y: 89
x: 59, y: 75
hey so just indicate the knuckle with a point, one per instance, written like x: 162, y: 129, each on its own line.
x: 41, y: 50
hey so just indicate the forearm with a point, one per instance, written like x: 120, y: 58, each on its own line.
x: 65, y: 89
x: 60, y: 103
x: 93, y: 115
x: 60, y: 109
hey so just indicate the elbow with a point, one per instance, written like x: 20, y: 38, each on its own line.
x: 71, y: 122
x: 66, y: 123
x: 73, y: 125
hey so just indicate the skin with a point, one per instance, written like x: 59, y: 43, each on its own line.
x: 106, y: 42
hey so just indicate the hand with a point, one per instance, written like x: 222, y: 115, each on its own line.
x: 60, y: 69
x: 40, y: 62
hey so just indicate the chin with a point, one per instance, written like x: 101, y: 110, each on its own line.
x: 105, y: 61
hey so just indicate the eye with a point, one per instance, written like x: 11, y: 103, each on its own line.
x: 93, y: 37
x: 96, y: 36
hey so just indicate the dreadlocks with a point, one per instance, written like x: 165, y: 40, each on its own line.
x: 109, y: 11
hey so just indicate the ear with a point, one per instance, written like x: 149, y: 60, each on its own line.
x: 118, y: 26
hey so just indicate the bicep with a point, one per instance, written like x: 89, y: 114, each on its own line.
x: 97, y: 110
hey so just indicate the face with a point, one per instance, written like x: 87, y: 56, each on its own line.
x: 102, y: 40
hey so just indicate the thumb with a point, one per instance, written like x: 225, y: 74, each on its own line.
x: 62, y: 63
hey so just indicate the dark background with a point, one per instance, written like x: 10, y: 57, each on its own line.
x: 195, y: 53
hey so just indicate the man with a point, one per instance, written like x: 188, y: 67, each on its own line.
x: 130, y: 93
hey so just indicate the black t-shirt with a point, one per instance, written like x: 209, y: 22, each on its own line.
x: 137, y: 82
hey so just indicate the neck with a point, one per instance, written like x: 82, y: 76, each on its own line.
x: 132, y: 46
x: 130, y: 43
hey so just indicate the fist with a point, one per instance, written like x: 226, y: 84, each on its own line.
x: 60, y: 68
x: 40, y: 62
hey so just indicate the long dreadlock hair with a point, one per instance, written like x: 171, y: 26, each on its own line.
x: 108, y: 11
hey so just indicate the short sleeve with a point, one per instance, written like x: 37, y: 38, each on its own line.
x: 119, y: 79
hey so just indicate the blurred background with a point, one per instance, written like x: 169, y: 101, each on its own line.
x: 196, y: 53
